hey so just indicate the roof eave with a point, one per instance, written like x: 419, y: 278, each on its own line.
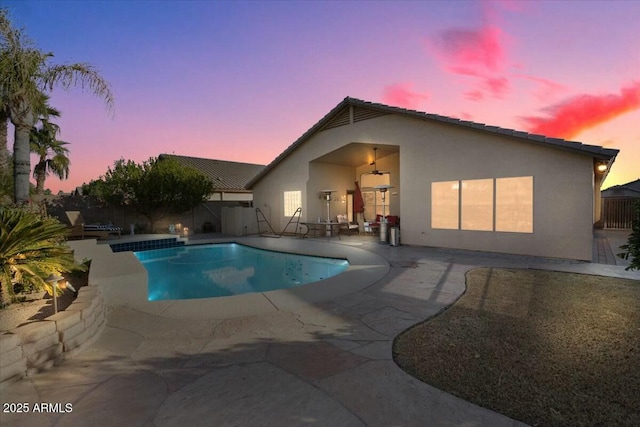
x: 298, y: 141
x: 594, y: 151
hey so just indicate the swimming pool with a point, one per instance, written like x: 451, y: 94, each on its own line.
x: 223, y: 269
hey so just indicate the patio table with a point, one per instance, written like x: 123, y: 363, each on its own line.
x: 328, y: 228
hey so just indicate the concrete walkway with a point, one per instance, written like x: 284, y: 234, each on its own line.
x: 316, y: 362
x: 606, y: 246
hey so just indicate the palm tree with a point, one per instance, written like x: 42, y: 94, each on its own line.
x: 25, y: 74
x: 6, y: 177
x: 43, y: 142
x: 52, y: 154
x: 4, y: 119
x: 31, y: 248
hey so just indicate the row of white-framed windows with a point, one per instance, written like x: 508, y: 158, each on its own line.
x: 501, y: 204
x: 292, y: 201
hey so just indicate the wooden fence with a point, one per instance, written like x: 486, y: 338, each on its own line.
x: 617, y: 212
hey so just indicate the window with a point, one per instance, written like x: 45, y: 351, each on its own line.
x: 373, y: 198
x: 350, y: 214
x: 514, y: 204
x: 503, y: 204
x: 444, y: 204
x: 477, y: 205
x: 369, y: 198
x: 369, y: 180
x: 292, y: 201
x: 373, y: 204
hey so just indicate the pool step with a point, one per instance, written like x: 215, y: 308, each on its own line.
x: 145, y: 245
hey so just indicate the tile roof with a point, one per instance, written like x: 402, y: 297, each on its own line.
x: 633, y: 186
x: 226, y: 176
x: 596, y: 151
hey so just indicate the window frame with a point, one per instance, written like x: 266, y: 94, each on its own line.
x: 476, y: 196
x: 290, y: 198
x: 523, y: 211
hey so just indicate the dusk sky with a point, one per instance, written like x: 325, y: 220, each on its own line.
x: 241, y: 81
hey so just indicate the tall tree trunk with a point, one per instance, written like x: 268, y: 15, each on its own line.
x: 4, y: 129
x: 21, y: 157
x: 40, y: 171
x: 40, y: 183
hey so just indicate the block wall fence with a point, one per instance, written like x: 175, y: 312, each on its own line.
x: 35, y: 346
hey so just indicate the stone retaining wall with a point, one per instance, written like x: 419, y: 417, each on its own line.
x: 30, y: 348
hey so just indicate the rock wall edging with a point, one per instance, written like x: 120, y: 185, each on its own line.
x: 35, y: 346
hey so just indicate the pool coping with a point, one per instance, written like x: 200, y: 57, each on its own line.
x: 123, y: 279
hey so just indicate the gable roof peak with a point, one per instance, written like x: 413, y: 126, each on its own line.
x: 325, y: 122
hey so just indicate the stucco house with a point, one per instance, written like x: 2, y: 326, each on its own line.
x: 630, y: 190
x: 229, y: 178
x: 229, y: 189
x: 454, y: 183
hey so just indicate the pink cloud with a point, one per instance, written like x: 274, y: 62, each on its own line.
x: 547, y: 88
x: 498, y: 87
x: 543, y: 81
x: 474, y: 95
x: 477, y: 53
x: 569, y: 118
x: 467, y: 49
x: 402, y: 95
x: 463, y: 71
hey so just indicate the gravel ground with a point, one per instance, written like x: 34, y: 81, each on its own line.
x: 545, y: 348
x: 42, y: 306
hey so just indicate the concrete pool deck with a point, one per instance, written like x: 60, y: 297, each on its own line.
x: 305, y: 358
x: 124, y: 281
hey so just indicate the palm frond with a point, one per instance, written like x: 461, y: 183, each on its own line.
x: 79, y: 74
x: 31, y: 248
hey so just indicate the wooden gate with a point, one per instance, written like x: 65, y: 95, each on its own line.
x: 617, y: 212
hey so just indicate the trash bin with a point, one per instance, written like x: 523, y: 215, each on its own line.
x: 394, y: 236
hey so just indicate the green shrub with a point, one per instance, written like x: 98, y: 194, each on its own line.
x: 31, y: 248
x: 632, y: 248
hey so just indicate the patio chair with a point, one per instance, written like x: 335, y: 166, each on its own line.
x: 79, y: 229
x: 372, y: 226
x: 347, y: 226
x: 392, y: 220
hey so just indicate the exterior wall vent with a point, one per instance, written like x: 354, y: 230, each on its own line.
x: 341, y: 119
x: 352, y: 114
x: 360, y: 114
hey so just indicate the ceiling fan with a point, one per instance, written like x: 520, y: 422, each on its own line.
x: 375, y: 170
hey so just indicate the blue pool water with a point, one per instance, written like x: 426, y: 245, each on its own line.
x: 204, y: 271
